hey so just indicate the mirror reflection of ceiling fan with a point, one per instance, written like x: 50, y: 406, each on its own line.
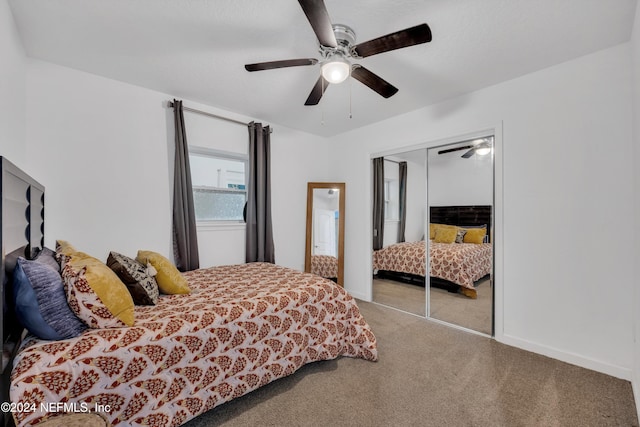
x: 481, y: 147
x: 338, y: 49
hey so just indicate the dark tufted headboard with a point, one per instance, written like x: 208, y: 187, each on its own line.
x: 462, y: 215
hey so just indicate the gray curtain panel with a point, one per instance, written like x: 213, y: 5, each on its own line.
x: 259, y: 247
x: 185, y: 238
x: 378, y: 203
x: 402, y: 168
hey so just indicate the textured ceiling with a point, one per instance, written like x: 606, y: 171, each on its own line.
x: 196, y: 49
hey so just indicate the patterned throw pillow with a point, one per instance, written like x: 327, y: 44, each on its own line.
x: 169, y: 279
x: 460, y: 235
x: 40, y: 301
x: 142, y: 287
x: 63, y: 251
x: 95, y: 294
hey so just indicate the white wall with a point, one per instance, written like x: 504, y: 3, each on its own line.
x: 635, y: 58
x: 454, y: 181
x: 104, y: 151
x: 564, y: 270
x: 416, y: 197
x: 12, y: 90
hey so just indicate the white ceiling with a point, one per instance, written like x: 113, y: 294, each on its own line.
x: 196, y: 49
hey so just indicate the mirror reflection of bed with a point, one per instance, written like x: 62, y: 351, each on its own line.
x: 406, y: 293
x: 457, y: 188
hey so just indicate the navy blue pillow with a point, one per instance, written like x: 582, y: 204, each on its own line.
x: 41, y: 303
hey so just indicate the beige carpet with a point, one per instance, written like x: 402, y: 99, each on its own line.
x: 433, y: 375
x: 446, y: 306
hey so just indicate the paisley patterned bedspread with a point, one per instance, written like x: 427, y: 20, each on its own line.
x: 460, y: 263
x: 324, y: 266
x: 242, y: 327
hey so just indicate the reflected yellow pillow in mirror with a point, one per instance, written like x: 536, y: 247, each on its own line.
x: 433, y: 228
x: 475, y: 235
x: 446, y: 235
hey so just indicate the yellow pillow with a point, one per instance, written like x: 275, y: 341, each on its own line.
x: 446, y: 235
x: 475, y: 235
x: 169, y: 279
x: 95, y: 294
x: 64, y: 247
x: 435, y: 227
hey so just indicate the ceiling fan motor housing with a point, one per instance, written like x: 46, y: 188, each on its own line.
x: 346, y: 38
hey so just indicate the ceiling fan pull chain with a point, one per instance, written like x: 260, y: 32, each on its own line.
x: 322, y: 104
x: 350, y: 113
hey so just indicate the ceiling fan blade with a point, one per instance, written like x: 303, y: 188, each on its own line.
x: 318, y: 17
x: 469, y: 153
x: 405, y: 38
x: 451, y: 150
x: 317, y: 91
x: 374, y: 81
x: 280, y: 64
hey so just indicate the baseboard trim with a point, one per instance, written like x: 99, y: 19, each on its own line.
x: 571, y: 358
x: 636, y: 396
x: 359, y: 295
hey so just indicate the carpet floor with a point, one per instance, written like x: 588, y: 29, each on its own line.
x: 449, y: 307
x: 429, y: 374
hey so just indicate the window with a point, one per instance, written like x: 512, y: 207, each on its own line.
x: 219, y: 184
x: 391, y: 203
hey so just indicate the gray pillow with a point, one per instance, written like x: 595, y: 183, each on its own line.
x: 48, y: 257
x: 142, y: 286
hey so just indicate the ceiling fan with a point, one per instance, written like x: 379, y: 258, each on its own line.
x: 338, y: 48
x: 480, y: 147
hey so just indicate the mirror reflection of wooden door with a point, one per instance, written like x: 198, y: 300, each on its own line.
x: 324, y: 232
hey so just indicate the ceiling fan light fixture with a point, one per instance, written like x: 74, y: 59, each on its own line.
x: 336, y: 69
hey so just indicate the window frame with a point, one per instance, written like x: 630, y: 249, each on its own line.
x: 392, y: 206
x: 211, y: 224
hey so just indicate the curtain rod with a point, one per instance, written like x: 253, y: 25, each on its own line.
x: 389, y: 160
x: 204, y: 113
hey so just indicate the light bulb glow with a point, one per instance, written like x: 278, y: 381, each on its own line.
x: 336, y: 70
x: 483, y: 151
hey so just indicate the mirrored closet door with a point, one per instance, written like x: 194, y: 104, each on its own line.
x: 436, y: 201
x: 460, y: 207
x: 400, y: 214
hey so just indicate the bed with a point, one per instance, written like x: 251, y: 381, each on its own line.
x: 239, y: 328
x: 452, y: 266
x: 325, y: 266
